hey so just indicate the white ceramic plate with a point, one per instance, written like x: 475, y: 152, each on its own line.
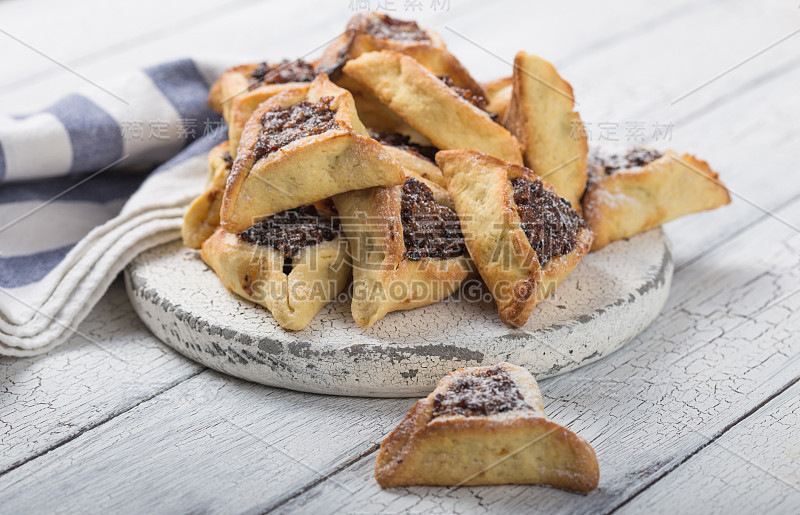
x: 610, y: 297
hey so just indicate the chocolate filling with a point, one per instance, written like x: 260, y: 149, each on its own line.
x: 548, y: 220
x: 283, y: 126
x: 609, y: 162
x: 292, y: 230
x: 403, y: 142
x: 430, y: 230
x: 281, y: 73
x: 470, y: 96
x: 482, y: 393
x: 385, y: 27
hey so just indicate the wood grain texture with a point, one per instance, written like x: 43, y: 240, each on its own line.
x: 322, y: 21
x: 304, y: 29
x: 759, y: 471
x: 47, y: 400
x: 105, y: 30
x: 212, y: 443
x: 760, y: 173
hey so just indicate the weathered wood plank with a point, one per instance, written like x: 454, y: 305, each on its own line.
x: 673, y: 60
x: 752, y: 468
x: 212, y: 443
x: 750, y: 142
x: 324, y: 20
x: 49, y: 399
x: 561, y: 32
x: 650, y: 58
x: 205, y: 38
x: 724, y: 342
x: 104, y: 29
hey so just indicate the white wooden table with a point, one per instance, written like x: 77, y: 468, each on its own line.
x: 698, y: 414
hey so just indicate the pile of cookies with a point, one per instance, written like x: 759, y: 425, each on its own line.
x: 384, y: 161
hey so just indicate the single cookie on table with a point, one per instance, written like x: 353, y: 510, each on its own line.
x: 370, y: 32
x: 541, y: 115
x: 239, y: 90
x: 449, y: 116
x: 485, y: 426
x: 411, y: 156
x: 292, y: 263
x: 523, y: 237
x: 202, y: 217
x: 406, y: 247
x: 498, y: 96
x: 633, y: 190
x: 300, y: 147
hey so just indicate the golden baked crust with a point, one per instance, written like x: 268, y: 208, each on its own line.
x: 232, y: 82
x: 384, y: 278
x: 236, y: 97
x: 430, y: 51
x: 498, y: 95
x: 375, y: 115
x: 430, y: 106
x: 235, y: 83
x: 243, y: 106
x: 517, y: 445
x: 419, y: 165
x: 480, y: 186
x: 202, y: 217
x: 256, y: 272
x: 308, y: 169
x: 493, y: 87
x: 541, y: 116
x: 634, y: 199
x: 412, y: 155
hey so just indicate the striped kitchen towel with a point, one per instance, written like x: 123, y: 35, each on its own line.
x: 89, y: 183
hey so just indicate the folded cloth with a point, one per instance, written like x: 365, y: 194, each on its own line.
x: 77, y: 199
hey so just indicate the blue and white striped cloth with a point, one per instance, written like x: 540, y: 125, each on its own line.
x: 78, y: 199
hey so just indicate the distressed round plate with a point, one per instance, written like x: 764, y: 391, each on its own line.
x: 611, y: 297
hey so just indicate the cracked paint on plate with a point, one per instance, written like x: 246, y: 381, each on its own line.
x: 612, y: 296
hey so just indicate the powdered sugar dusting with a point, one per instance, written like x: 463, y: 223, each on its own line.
x: 608, y: 159
x: 484, y: 392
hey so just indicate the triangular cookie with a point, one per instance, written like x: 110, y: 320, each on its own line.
x: 542, y: 118
x: 292, y: 263
x: 485, y: 426
x: 406, y: 247
x: 369, y: 32
x: 523, y: 237
x: 633, y: 190
x: 253, y: 83
x: 300, y: 147
x: 449, y: 116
